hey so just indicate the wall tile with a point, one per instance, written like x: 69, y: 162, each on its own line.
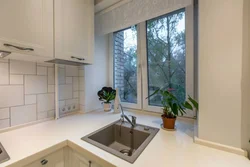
x: 75, y: 94
x: 81, y: 73
x: 69, y: 80
x: 11, y: 96
x: 51, y: 113
x: 41, y: 70
x: 46, y: 64
x: 35, y: 84
x: 51, y: 76
x: 4, y: 113
x: 65, y: 92
x: 82, y: 97
x: 45, y: 102
x: 71, y: 71
x: 16, y: 79
x: 72, y: 101
x: 4, y: 60
x: 75, y: 83
x: 4, y: 73
x: 23, y: 114
x: 22, y: 67
x: 30, y: 99
x: 5, y: 123
x: 81, y: 83
x: 51, y: 88
x: 61, y: 75
x: 42, y: 115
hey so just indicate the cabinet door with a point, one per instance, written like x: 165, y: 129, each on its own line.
x: 55, y: 159
x: 27, y: 27
x: 74, y: 30
x: 77, y: 160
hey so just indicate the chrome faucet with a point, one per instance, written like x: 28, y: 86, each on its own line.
x: 133, y: 122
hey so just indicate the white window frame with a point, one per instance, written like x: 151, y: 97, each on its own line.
x: 142, y: 77
x: 137, y: 105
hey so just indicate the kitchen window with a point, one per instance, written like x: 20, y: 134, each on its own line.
x: 154, y: 54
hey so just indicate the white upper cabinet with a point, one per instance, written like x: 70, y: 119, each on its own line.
x: 27, y: 29
x: 74, y: 30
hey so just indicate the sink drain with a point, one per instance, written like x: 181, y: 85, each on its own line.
x: 126, y: 152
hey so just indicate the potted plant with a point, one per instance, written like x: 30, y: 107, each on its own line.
x: 172, y: 107
x: 106, y: 94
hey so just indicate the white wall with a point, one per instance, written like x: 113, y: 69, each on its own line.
x: 96, y: 75
x: 220, y: 70
x: 245, y: 132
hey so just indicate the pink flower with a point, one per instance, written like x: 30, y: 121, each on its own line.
x: 170, y: 89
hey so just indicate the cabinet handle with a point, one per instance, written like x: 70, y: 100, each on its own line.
x: 44, y: 161
x: 18, y: 47
x: 90, y: 163
x: 73, y: 57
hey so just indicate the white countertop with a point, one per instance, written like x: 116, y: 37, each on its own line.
x: 175, y: 149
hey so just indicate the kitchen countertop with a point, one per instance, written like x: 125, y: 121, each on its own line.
x: 173, y: 149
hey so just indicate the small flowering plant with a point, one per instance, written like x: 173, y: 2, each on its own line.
x: 172, y: 107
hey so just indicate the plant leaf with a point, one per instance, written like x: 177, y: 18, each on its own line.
x: 188, y: 106
x: 195, y: 103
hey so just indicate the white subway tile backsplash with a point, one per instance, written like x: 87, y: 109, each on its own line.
x: 16, y: 79
x: 51, y: 113
x: 42, y: 115
x: 23, y: 114
x: 75, y: 94
x: 45, y: 64
x: 30, y: 99
x: 69, y: 80
x: 81, y: 84
x: 4, y: 73
x: 35, y: 84
x: 5, y: 123
x: 81, y: 73
x: 65, y: 92
x: 75, y: 83
x: 61, y: 75
x: 11, y: 96
x: 51, y: 88
x: 51, y: 76
x: 4, y: 60
x: 82, y: 97
x: 4, y: 113
x: 45, y: 102
x: 41, y: 70
x: 22, y: 67
x: 71, y: 101
x: 27, y: 91
x: 71, y: 71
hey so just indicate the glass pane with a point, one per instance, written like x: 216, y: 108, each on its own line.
x: 166, y: 54
x: 125, y: 64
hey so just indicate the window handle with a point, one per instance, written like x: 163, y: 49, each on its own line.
x: 18, y: 47
x: 81, y: 59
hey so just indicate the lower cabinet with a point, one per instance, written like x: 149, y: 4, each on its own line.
x: 65, y: 157
x: 77, y: 160
x: 55, y: 159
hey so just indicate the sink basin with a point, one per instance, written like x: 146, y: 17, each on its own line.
x: 121, y: 140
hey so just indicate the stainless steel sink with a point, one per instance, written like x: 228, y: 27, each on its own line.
x: 121, y: 140
x: 3, y: 154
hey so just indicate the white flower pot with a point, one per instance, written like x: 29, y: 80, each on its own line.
x: 107, y: 106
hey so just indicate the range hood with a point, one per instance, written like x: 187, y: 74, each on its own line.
x: 67, y: 62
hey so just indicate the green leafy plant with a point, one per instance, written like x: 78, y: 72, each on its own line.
x: 172, y: 107
x: 106, y: 94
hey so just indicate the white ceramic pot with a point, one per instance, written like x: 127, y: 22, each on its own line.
x: 107, y: 106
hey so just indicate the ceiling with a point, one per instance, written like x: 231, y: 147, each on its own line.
x: 104, y: 4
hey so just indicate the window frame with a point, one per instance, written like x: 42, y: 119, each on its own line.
x: 142, y: 71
